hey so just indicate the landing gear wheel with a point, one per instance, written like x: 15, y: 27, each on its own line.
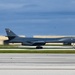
x: 38, y: 47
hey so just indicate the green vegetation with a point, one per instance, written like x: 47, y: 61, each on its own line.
x: 39, y: 51
x: 8, y: 47
x: 31, y: 50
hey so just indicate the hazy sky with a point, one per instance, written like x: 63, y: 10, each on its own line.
x: 38, y: 17
x: 37, y: 5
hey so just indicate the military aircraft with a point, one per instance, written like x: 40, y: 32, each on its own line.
x: 38, y: 42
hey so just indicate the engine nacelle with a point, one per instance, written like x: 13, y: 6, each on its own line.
x: 39, y: 43
x: 67, y: 44
x: 27, y: 44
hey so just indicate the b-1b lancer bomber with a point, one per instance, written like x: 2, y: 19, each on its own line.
x: 38, y: 42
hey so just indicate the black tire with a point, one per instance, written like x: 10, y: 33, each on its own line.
x: 38, y: 47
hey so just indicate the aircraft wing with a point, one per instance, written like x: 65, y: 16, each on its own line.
x: 34, y: 43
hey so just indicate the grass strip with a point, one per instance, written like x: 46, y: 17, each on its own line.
x: 39, y: 51
x: 7, y: 47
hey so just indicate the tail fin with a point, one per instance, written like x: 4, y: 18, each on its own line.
x: 10, y: 34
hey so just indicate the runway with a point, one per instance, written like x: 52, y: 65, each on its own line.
x: 37, y: 59
x: 48, y: 47
x: 34, y: 64
x: 44, y: 48
x: 37, y: 49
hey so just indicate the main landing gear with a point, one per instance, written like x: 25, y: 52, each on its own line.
x: 39, y: 47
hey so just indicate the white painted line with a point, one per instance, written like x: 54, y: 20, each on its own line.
x: 37, y: 67
x: 37, y: 49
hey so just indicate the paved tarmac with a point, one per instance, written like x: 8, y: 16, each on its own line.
x: 44, y: 48
x: 38, y: 49
x: 49, y: 47
x: 34, y: 64
x: 37, y: 59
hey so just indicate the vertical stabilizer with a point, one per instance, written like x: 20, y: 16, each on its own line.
x: 10, y: 34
